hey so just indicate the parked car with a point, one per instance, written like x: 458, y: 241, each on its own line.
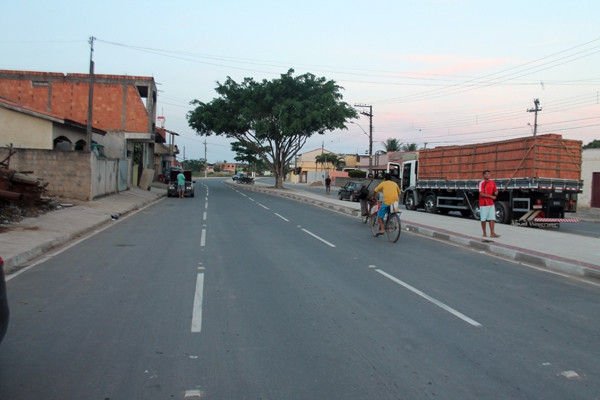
x: 189, y: 184
x: 238, y: 176
x: 3, y: 302
x: 349, y: 191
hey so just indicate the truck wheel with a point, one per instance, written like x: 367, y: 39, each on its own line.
x: 410, y: 203
x: 430, y: 204
x: 502, y: 212
x: 476, y: 210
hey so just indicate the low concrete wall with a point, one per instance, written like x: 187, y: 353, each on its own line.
x: 70, y: 174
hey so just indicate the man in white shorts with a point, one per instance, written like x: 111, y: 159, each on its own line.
x: 487, y: 212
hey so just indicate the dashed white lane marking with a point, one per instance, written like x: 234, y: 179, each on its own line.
x: 193, y: 394
x: 263, y: 206
x: 319, y: 238
x: 197, y: 310
x: 204, y: 216
x: 431, y: 299
x: 203, y: 238
x: 282, y: 217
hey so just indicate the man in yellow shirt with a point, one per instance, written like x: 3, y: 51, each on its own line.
x: 391, y: 194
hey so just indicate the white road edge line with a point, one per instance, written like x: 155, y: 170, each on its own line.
x: 431, y: 299
x: 319, y: 238
x: 197, y: 311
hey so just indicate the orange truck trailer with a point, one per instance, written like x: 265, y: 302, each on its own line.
x: 538, y: 179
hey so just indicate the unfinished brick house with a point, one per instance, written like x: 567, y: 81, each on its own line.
x: 124, y: 110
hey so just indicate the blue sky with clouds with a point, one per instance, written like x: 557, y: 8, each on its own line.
x: 435, y: 71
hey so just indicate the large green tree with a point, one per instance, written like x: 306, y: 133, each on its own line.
x: 273, y: 118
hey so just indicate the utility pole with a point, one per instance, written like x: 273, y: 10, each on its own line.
x: 88, y: 145
x: 205, y: 160
x: 536, y: 103
x: 370, y: 115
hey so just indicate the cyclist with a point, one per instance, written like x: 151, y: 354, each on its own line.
x: 391, y: 194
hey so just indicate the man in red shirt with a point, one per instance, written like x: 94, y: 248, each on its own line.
x: 487, y: 212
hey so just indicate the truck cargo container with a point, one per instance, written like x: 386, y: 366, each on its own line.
x: 538, y: 179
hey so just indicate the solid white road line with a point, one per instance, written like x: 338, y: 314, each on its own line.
x: 431, y: 299
x: 319, y: 238
x: 197, y: 311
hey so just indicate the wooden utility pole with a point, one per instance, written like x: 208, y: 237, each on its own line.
x: 370, y: 115
x: 536, y: 103
x: 88, y: 145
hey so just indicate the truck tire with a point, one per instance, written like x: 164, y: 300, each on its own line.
x: 431, y: 204
x: 410, y: 203
x: 502, y: 212
x: 476, y: 210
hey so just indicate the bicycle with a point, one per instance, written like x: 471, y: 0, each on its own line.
x: 391, y: 223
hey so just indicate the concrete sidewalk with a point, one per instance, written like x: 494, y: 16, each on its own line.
x: 567, y: 253
x: 32, y: 237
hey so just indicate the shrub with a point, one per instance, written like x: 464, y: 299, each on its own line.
x: 357, y: 173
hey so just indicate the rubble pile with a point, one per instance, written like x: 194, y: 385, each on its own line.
x: 22, y: 195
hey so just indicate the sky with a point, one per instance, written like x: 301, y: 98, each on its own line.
x: 436, y: 72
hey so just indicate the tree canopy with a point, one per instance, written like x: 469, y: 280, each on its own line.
x: 391, y: 144
x: 273, y: 119
x: 329, y: 158
x: 594, y: 144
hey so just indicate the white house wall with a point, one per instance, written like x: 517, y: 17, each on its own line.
x: 590, y: 164
x: 25, y: 131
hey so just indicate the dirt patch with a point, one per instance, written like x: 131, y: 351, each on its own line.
x: 12, y: 212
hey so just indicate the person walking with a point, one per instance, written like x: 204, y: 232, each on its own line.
x: 365, y: 195
x: 181, y: 184
x: 487, y: 211
x: 391, y: 194
x: 327, y: 185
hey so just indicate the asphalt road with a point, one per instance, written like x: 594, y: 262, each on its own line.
x: 239, y: 295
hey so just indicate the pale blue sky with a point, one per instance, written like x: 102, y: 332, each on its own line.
x: 435, y: 71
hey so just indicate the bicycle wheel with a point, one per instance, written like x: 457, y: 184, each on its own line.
x: 393, y: 227
x: 374, y: 223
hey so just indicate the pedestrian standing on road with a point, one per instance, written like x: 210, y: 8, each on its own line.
x: 391, y: 195
x: 327, y: 185
x: 487, y: 211
x: 365, y: 195
x: 181, y: 184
